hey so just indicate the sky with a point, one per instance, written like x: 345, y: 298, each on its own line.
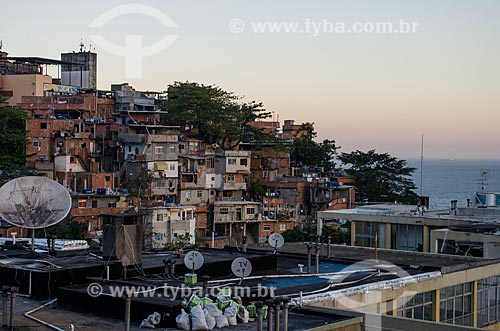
x: 365, y: 90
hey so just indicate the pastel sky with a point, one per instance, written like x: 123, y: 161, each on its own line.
x: 366, y: 91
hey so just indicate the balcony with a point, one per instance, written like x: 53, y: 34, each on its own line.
x: 231, y: 186
x: 132, y: 138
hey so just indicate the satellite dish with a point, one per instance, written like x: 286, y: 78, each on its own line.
x: 276, y: 240
x: 193, y: 260
x: 34, y: 202
x: 241, y: 267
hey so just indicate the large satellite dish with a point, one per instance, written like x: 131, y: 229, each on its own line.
x: 194, y: 260
x: 241, y: 267
x: 34, y: 202
x: 276, y: 240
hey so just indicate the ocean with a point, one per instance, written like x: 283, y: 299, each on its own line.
x: 446, y: 180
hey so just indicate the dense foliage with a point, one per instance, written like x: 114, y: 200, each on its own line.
x: 308, y: 233
x: 218, y: 117
x: 380, y: 177
x: 305, y: 151
x: 66, y: 229
x: 13, y: 137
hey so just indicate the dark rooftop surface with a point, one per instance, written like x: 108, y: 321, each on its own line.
x: 445, y: 263
x: 63, y: 318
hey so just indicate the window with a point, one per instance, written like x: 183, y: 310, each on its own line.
x: 282, y: 227
x: 94, y: 203
x: 37, y: 143
x: 264, y: 174
x: 488, y: 294
x: 159, y: 217
x: 159, y: 237
x: 181, y: 148
x: 171, y: 166
x: 417, y: 307
x: 251, y: 211
x: 107, y: 178
x: 188, y: 195
x: 231, y: 161
x: 210, y: 163
x: 243, y: 162
x: 456, y: 304
x: 224, y: 211
x: 72, y: 159
x: 43, y: 125
x: 230, y: 178
x: 267, y: 227
x: 199, y: 194
x: 82, y: 203
x: 161, y: 184
x: 171, y: 150
x: 159, y: 150
x: 111, y: 204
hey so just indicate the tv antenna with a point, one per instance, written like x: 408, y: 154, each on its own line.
x: 241, y: 267
x: 34, y: 202
x: 422, y: 166
x: 276, y: 241
x: 194, y: 260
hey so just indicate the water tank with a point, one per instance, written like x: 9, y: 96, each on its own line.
x: 491, y: 199
x: 487, y: 199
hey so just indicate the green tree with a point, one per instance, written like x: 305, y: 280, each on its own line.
x: 13, y: 137
x: 306, y: 232
x: 255, y: 190
x: 219, y: 116
x: 66, y: 229
x: 380, y: 177
x: 140, y: 185
x: 306, y: 151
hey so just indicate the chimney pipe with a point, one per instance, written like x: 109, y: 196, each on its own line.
x: 277, y: 303
x: 316, y: 250
x: 309, y: 247
x: 259, y: 307
x: 5, y: 302
x: 286, y: 300
x: 270, y: 315
x: 13, y: 292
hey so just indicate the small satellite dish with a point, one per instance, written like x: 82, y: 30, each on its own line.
x: 241, y: 267
x: 276, y: 240
x: 34, y: 202
x: 193, y: 260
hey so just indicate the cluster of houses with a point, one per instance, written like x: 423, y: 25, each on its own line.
x: 114, y: 153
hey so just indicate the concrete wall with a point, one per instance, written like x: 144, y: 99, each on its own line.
x: 24, y: 85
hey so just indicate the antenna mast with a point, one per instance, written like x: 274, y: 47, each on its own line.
x: 422, y: 166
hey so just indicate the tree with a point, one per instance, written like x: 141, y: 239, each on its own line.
x: 66, y: 229
x: 380, y: 177
x: 306, y: 232
x: 306, y: 151
x: 13, y: 137
x: 256, y: 190
x: 218, y: 116
x: 140, y: 185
